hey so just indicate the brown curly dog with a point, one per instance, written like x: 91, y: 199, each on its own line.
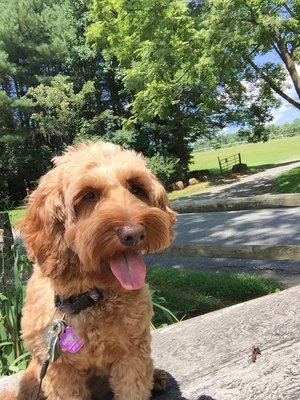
x: 87, y: 225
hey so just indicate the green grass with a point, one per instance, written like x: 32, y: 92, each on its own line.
x: 16, y: 214
x: 253, y: 154
x: 288, y: 182
x: 192, y: 293
x: 189, y: 191
x: 14, y: 270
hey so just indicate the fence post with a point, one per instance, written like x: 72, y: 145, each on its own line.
x: 220, y: 164
x: 6, y: 236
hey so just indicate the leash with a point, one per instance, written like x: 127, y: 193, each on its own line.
x: 52, y: 351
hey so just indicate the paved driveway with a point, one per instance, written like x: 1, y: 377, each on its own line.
x: 259, y: 183
x: 265, y: 227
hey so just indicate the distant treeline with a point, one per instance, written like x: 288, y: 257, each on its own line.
x: 232, y: 139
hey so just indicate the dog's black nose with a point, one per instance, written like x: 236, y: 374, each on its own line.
x: 131, y: 235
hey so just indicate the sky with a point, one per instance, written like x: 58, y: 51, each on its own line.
x: 286, y: 112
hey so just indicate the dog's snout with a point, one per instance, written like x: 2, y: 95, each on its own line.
x: 131, y: 235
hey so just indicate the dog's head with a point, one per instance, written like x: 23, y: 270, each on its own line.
x: 101, y: 205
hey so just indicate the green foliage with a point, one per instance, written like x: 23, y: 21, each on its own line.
x: 288, y: 129
x: 288, y: 182
x: 153, y: 75
x: 237, y: 32
x: 33, y: 35
x: 125, y: 138
x: 34, y: 39
x: 58, y: 107
x: 172, y: 65
x: 165, y: 168
x: 14, y: 269
x: 6, y: 203
x: 192, y: 293
x: 284, y: 130
x: 162, y: 315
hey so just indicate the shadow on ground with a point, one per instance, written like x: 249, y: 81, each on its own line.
x: 173, y: 392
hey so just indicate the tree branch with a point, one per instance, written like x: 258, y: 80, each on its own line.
x: 289, y: 10
x: 273, y: 86
x: 289, y: 63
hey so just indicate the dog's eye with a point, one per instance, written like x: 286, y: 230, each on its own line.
x: 135, y: 189
x: 90, y: 196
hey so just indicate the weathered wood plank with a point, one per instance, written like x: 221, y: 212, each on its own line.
x: 250, y: 252
x: 9, y: 384
x: 209, y: 357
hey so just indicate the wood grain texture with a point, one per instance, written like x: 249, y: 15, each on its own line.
x: 210, y: 357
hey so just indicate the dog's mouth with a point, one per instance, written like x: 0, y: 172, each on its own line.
x: 129, y: 269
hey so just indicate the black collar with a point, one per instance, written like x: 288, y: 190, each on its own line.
x: 75, y: 304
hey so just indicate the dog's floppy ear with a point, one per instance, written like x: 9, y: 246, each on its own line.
x: 160, y: 200
x: 42, y: 228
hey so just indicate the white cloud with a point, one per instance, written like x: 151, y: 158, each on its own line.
x: 282, y: 112
x: 286, y: 112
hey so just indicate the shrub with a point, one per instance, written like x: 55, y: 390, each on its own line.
x: 165, y: 168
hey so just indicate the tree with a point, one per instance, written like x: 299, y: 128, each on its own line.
x: 58, y: 107
x: 155, y: 75
x: 177, y: 85
x: 34, y: 38
x: 240, y: 32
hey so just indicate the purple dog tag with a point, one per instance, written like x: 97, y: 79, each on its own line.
x: 69, y: 341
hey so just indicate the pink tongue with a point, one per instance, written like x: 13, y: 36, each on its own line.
x: 130, y: 270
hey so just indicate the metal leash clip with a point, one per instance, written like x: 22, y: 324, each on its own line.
x: 53, y: 350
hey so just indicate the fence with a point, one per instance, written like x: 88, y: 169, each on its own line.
x: 227, y: 163
x: 6, y: 236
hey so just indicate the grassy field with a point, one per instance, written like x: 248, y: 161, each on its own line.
x: 16, y: 214
x: 253, y: 154
x: 288, y: 182
x: 189, y: 191
x: 191, y: 293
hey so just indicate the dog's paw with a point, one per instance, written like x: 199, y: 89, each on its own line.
x: 160, y: 378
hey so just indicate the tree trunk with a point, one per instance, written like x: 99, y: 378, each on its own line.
x: 289, y: 63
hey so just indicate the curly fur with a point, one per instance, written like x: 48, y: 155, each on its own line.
x: 71, y: 232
